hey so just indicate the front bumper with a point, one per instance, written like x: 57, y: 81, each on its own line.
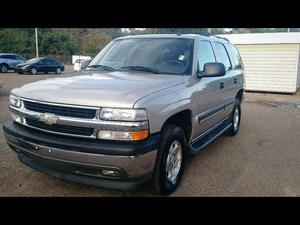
x: 83, y: 160
x: 22, y: 70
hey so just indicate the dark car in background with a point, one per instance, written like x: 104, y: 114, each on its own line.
x: 38, y: 65
x: 8, y: 61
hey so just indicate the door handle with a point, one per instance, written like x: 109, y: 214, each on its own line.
x: 221, y: 85
x: 235, y: 81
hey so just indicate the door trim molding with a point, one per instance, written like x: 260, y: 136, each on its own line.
x: 202, y: 117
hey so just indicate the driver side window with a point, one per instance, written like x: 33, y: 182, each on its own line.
x: 205, y: 54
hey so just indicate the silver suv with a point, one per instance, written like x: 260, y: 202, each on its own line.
x: 142, y: 105
x: 9, y: 61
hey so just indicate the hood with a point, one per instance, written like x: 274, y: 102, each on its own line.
x: 114, y: 89
x: 23, y: 64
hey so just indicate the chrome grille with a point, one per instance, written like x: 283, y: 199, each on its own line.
x: 60, y: 110
x: 58, y: 128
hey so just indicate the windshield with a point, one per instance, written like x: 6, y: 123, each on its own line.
x: 33, y: 60
x: 152, y: 55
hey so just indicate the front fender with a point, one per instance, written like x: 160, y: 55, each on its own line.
x: 164, y: 105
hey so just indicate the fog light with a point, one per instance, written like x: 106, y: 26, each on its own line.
x: 113, y: 173
x: 17, y: 118
x: 122, y: 135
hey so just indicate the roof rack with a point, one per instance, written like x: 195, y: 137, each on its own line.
x: 221, y: 38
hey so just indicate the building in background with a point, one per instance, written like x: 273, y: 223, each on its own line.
x: 271, y: 60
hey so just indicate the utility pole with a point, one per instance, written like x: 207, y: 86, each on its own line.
x: 36, y: 43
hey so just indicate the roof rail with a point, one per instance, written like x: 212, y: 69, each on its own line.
x: 224, y: 38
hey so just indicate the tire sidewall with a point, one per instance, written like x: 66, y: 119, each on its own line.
x: 237, y: 105
x: 166, y: 187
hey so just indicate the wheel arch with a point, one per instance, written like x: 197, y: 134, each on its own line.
x: 183, y: 119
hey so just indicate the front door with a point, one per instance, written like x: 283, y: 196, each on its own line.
x: 207, y: 101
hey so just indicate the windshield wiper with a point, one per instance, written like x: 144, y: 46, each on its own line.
x: 141, y: 68
x: 104, y: 67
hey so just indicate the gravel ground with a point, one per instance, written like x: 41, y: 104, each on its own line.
x: 262, y: 160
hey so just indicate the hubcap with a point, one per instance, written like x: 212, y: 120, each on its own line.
x: 33, y: 71
x: 174, y: 160
x: 3, y: 69
x: 236, y: 118
x: 58, y: 70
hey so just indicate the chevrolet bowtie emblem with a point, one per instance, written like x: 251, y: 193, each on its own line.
x: 48, y: 118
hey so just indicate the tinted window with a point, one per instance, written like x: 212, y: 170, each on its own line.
x: 9, y: 57
x: 45, y: 61
x: 236, y: 58
x: 223, y: 55
x: 51, y: 61
x: 205, y: 54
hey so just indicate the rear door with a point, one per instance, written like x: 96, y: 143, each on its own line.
x: 42, y: 65
x: 52, y: 65
x: 11, y: 61
x: 238, y: 69
x: 20, y: 59
x: 227, y: 90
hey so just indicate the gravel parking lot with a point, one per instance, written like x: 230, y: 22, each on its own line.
x: 262, y: 160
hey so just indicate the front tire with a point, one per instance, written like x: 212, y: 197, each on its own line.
x: 58, y: 70
x: 3, y: 68
x: 235, y: 118
x: 170, y: 160
x: 33, y: 71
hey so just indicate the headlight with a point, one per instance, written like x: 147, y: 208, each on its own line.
x: 15, y: 101
x: 123, y: 114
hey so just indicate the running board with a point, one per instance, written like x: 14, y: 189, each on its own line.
x: 201, y: 143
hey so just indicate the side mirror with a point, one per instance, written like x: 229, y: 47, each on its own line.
x: 212, y: 70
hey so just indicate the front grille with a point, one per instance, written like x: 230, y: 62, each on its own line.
x: 58, y: 110
x: 83, y: 131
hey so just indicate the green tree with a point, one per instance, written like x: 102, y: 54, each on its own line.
x: 91, y: 43
x: 57, y: 45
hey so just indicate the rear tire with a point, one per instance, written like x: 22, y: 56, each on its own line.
x: 235, y: 119
x: 170, y: 160
x: 3, y: 68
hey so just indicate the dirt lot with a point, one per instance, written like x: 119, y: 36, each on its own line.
x: 262, y: 160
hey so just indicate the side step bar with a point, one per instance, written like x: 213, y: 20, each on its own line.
x: 202, y: 141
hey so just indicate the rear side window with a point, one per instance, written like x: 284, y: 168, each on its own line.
x: 9, y: 57
x: 223, y: 55
x: 205, y: 54
x: 45, y: 61
x: 235, y: 56
x: 50, y: 61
